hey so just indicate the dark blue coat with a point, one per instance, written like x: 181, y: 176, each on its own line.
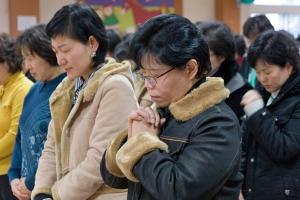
x: 272, y: 147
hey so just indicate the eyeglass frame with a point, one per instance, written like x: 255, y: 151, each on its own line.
x: 154, y: 78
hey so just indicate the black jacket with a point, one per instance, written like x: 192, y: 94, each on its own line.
x: 236, y: 84
x: 272, y: 147
x: 203, y: 161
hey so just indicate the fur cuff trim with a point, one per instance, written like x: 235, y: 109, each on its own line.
x: 134, y: 149
x: 37, y: 191
x: 54, y: 191
x: 111, y: 152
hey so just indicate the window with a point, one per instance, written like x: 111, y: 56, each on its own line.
x: 283, y: 14
x: 277, y: 2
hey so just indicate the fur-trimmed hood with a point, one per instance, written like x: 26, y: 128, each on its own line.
x: 208, y: 94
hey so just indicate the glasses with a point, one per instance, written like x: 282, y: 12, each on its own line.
x: 152, y: 80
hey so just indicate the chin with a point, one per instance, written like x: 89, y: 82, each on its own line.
x: 162, y: 104
x: 71, y: 77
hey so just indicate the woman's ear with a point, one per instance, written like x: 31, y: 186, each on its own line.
x: 220, y: 59
x: 289, y: 68
x: 93, y: 43
x: 192, y: 69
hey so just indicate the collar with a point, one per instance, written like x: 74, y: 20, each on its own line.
x: 208, y: 94
x: 66, y: 87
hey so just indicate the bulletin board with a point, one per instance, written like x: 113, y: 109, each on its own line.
x: 125, y: 15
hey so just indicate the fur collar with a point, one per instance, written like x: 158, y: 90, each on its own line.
x: 111, y: 67
x: 208, y: 94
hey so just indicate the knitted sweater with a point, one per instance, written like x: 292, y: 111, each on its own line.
x: 32, y: 131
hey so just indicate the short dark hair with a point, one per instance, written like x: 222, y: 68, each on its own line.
x: 113, y: 39
x: 256, y: 25
x: 219, y: 38
x: 240, y: 44
x: 37, y: 42
x: 274, y: 47
x: 79, y: 22
x: 172, y: 40
x: 9, y: 54
x: 122, y: 51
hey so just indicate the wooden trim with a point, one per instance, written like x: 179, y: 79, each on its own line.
x: 229, y: 12
x: 179, y: 6
x: 21, y: 8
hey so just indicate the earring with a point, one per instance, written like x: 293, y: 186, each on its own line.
x: 93, y: 54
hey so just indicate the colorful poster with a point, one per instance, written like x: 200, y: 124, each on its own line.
x: 125, y: 15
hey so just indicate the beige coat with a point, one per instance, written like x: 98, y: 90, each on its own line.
x: 69, y: 166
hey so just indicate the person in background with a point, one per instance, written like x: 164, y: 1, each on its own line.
x: 240, y: 49
x: 222, y: 57
x: 271, y: 131
x: 176, y: 151
x: 252, y: 28
x: 121, y: 53
x: 88, y: 108
x: 40, y: 60
x: 13, y: 89
x: 113, y: 40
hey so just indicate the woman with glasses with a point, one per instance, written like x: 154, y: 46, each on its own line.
x: 189, y: 146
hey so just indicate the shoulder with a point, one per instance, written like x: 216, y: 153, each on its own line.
x: 117, y: 80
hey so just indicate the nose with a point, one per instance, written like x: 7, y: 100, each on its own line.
x: 60, y: 59
x: 26, y: 65
x: 148, y: 85
x: 262, y: 78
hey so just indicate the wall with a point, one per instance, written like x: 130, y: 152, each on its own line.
x: 49, y: 7
x: 195, y: 10
x: 199, y: 10
x: 4, y: 16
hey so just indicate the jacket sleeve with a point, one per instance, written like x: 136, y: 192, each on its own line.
x: 46, y: 172
x: 281, y: 143
x: 117, y: 101
x: 110, y: 172
x: 14, y: 171
x: 207, y: 161
x: 110, y: 179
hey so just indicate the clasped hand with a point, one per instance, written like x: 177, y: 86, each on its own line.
x: 20, y: 190
x: 144, y: 120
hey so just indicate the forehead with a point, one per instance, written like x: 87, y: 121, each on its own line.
x: 26, y: 51
x: 150, y: 62
x: 61, y: 40
x: 263, y: 65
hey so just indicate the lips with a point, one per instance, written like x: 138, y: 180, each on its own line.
x: 154, y: 98
x: 67, y: 69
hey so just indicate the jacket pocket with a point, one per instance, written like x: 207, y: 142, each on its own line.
x: 176, y: 145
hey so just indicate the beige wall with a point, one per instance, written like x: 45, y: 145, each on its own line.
x: 4, y: 16
x: 49, y: 7
x: 199, y: 10
x: 195, y: 10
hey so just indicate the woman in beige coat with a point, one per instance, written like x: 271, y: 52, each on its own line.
x: 88, y: 108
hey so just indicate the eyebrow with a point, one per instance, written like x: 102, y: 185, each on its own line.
x: 59, y: 47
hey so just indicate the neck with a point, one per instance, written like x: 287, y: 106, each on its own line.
x: 4, y: 78
x: 55, y: 71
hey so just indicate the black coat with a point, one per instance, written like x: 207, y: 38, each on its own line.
x: 202, y: 163
x: 272, y: 147
x: 237, y: 85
